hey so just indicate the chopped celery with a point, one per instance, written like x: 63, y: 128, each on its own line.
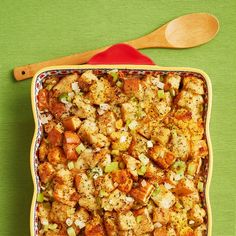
x: 156, y: 192
x: 114, y: 74
x: 80, y: 148
x: 71, y: 231
x: 63, y: 97
x: 52, y: 226
x: 112, y: 167
x: 138, y: 219
x: 191, y: 168
x: 40, y: 197
x: 160, y: 94
x: 70, y: 165
x: 179, y: 167
x: 200, y: 186
x: 142, y: 170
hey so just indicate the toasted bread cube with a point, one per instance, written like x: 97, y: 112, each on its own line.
x: 89, y: 202
x: 99, y: 141
x: 172, y: 81
x: 121, y: 140
x: 164, y: 199
x: 43, y: 150
x: 70, y: 151
x: 197, y: 215
x: 161, y: 215
x: 87, y: 130
x: 55, y: 137
x: 162, y: 231
x: 161, y: 135
x: 64, y: 84
x: 126, y: 220
x: 131, y: 86
x: 44, y: 210
x: 154, y: 173
x: 84, y: 184
x: 183, y: 114
x: 56, y: 156
x: 104, y: 183
x: 107, y: 123
x: 194, y: 84
x: 43, y: 99
x: 138, y: 145
x: 144, y: 128
x: 63, y: 193
x: 186, y: 231
x: 81, y: 215
x: 61, y: 212
x: 86, y: 80
x: 190, y: 200
x: 110, y: 222
x: 146, y: 225
x: 95, y: 228
x: 117, y: 201
x: 184, y: 187
x: 46, y: 172
x: 100, y: 92
x: 64, y: 177
x: 132, y: 165
x: 162, y: 108
x: 128, y: 111
x: 71, y: 137
x: 200, y: 230
x: 123, y: 179
x: 180, y: 145
x: 199, y: 148
x: 142, y: 193
x: 161, y: 156
x: 72, y: 123
x: 126, y: 233
x: 84, y: 110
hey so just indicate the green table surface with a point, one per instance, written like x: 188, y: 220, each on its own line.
x: 32, y: 31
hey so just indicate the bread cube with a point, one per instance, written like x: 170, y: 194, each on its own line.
x: 193, y: 84
x: 172, y: 81
x: 128, y: 111
x: 107, y: 123
x: 161, y: 156
x: 46, y: 172
x: 84, y: 110
x: 138, y: 145
x: 56, y: 155
x: 161, y: 215
x: 110, y: 222
x: 123, y: 179
x: 162, y: 231
x: 161, y: 135
x: 86, y: 80
x: 94, y: 228
x: 197, y: 215
x: 142, y: 192
x: 121, y: 140
x: 84, y: 185
x: 43, y: 150
x: 146, y: 225
x: 184, y: 187
x: 199, y: 148
x: 71, y: 123
x: 126, y: 220
x: 132, y: 165
x: 55, y: 137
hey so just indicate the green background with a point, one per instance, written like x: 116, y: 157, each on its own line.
x: 32, y: 31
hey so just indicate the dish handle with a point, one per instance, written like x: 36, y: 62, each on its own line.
x: 120, y: 54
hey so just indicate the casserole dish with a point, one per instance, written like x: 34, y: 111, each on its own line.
x: 179, y: 213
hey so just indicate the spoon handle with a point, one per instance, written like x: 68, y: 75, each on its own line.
x: 28, y: 71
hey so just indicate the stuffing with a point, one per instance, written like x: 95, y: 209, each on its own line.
x: 122, y: 153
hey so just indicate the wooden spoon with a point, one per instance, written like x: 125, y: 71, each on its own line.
x: 183, y: 32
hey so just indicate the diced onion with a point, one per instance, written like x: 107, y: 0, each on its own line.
x: 69, y: 221
x: 144, y: 159
x: 149, y: 144
x: 79, y: 224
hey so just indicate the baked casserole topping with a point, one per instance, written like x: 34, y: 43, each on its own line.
x: 122, y: 154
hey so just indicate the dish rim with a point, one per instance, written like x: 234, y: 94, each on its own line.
x: 123, y: 66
